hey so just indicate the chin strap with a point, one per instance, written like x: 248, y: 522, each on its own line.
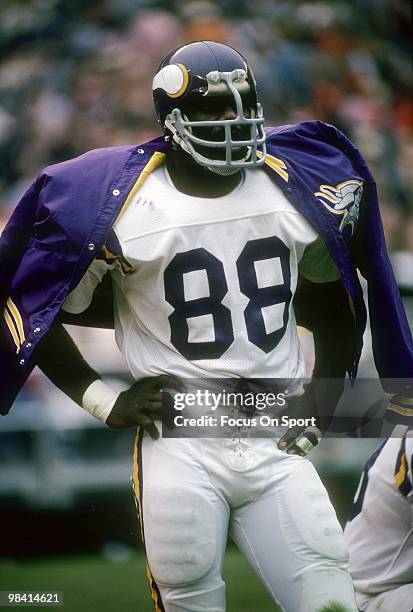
x: 222, y: 171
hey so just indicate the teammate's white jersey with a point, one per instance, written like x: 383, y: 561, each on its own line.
x: 210, y: 289
x: 380, y: 532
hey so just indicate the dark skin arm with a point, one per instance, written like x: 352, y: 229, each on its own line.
x: 323, y: 309
x: 59, y: 358
x: 61, y: 361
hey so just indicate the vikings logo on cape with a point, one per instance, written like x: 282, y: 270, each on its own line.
x: 343, y: 199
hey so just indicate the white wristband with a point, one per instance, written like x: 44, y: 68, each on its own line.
x: 99, y: 399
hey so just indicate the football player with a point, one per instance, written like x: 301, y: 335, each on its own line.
x: 379, y: 533
x: 218, y: 238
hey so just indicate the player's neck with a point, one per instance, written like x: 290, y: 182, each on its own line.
x: 195, y: 180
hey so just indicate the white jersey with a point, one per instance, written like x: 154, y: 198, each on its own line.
x: 209, y: 292
x: 380, y: 532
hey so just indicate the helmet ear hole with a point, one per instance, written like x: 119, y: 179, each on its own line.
x: 193, y: 90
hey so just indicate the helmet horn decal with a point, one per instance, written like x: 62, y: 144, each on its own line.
x: 172, y: 79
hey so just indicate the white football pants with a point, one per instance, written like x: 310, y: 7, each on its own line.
x: 192, y: 493
x: 394, y: 600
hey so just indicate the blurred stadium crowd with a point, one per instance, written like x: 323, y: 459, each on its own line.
x: 76, y: 75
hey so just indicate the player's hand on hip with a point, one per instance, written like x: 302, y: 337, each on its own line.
x: 304, y: 433
x: 299, y: 440
x: 142, y: 404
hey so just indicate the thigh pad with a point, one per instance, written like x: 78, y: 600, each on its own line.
x: 309, y: 519
x: 180, y: 534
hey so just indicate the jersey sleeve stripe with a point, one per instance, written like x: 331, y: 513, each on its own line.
x: 111, y: 258
x: 400, y: 411
x: 405, y: 411
x: 401, y: 474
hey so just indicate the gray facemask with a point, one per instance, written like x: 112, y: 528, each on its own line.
x: 182, y: 128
